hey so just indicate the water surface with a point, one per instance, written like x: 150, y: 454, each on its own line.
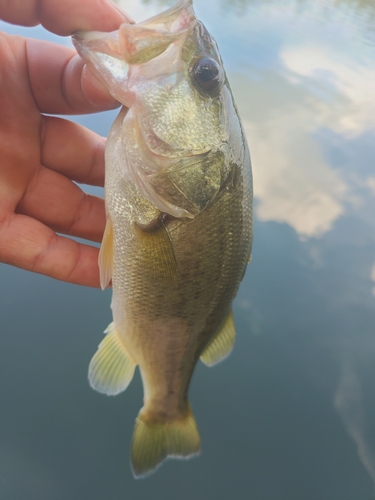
x: 291, y: 414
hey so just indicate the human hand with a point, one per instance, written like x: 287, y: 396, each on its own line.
x: 41, y: 156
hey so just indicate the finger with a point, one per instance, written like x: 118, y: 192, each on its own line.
x: 61, y: 205
x: 73, y: 150
x: 64, y: 16
x: 59, y: 83
x: 28, y: 244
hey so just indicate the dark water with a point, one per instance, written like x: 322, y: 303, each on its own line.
x: 291, y: 414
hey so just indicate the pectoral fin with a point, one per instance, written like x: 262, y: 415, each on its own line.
x: 157, y: 251
x: 221, y: 345
x: 111, y: 369
x: 106, y: 256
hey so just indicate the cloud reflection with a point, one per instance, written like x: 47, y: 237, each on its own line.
x: 348, y: 402
x: 352, y: 108
x: 319, y: 86
x: 372, y: 275
x: 293, y: 183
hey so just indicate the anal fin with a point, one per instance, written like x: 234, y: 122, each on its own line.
x: 222, y: 343
x: 106, y: 256
x: 111, y: 369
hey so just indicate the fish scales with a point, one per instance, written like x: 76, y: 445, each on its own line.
x: 178, y: 193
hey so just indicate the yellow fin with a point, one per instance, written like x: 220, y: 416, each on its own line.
x: 111, y: 369
x: 221, y: 345
x: 155, y: 441
x: 157, y: 250
x: 106, y: 256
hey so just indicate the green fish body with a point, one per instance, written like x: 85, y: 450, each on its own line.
x: 178, y: 193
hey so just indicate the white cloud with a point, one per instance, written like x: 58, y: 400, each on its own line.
x: 349, y: 403
x: 292, y: 181
x: 352, y: 110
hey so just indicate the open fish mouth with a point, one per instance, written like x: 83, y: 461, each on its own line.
x: 111, y: 55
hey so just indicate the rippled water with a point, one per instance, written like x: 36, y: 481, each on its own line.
x: 291, y: 414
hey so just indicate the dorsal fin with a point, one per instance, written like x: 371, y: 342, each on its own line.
x: 221, y: 345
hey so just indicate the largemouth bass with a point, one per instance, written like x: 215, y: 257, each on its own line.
x: 178, y: 195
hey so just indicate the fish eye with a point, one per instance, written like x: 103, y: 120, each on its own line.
x: 207, y: 74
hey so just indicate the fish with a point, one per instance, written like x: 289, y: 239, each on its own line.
x: 178, y: 198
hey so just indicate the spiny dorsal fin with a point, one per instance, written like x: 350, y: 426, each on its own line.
x: 155, y: 441
x: 111, y: 369
x: 106, y: 256
x: 221, y: 345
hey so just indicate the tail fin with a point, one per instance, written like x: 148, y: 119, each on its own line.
x: 155, y: 441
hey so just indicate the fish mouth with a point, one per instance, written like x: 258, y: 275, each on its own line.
x: 142, y: 42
